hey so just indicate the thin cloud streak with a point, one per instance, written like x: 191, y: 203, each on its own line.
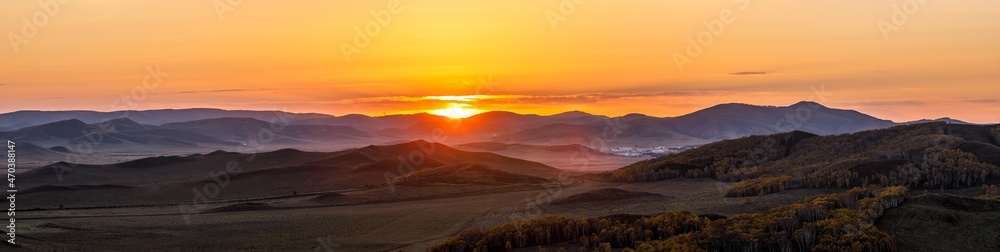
x: 531, y: 99
x: 752, y: 73
x: 984, y: 101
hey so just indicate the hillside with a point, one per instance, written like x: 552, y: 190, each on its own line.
x: 727, y: 121
x: 27, y: 151
x: 923, y: 156
x: 120, y: 133
x: 833, y: 222
x: 428, y: 154
x: 465, y: 174
x: 720, y: 122
x: 941, y: 222
x: 21, y: 119
x: 527, y: 149
x: 170, y: 178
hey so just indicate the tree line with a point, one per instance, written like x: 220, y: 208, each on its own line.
x: 833, y: 222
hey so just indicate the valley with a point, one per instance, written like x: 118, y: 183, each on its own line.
x: 418, y: 195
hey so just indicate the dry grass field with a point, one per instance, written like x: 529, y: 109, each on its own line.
x: 367, y: 220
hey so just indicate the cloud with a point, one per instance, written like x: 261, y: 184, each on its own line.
x: 529, y: 99
x: 354, y: 85
x: 982, y: 101
x: 752, y: 73
x: 213, y: 91
x: 914, y: 89
x: 891, y: 103
x: 231, y: 90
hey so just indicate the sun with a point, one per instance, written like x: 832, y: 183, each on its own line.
x: 457, y: 111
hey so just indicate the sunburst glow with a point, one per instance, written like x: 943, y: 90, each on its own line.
x: 457, y: 110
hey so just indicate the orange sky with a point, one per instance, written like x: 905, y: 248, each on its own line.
x: 603, y: 57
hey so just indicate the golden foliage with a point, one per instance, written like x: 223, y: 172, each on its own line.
x: 834, y: 222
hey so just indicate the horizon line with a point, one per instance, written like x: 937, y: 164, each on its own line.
x: 501, y: 111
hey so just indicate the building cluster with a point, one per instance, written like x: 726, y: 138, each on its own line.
x: 637, y: 151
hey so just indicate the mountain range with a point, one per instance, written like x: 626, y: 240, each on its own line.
x: 212, y: 129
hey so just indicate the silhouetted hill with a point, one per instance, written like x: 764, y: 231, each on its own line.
x: 20, y: 119
x: 163, y: 169
x: 242, y: 129
x: 288, y: 170
x: 724, y: 121
x: 27, y: 151
x: 122, y: 124
x: 226, y: 128
x: 728, y: 121
x: 427, y: 154
x: 118, y: 133
x: 184, y: 128
x: 943, y: 119
x: 560, y: 132
x: 68, y: 129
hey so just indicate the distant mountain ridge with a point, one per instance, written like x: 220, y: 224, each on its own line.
x: 25, y: 118
x: 220, y: 128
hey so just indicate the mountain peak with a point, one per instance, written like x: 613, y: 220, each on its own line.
x: 810, y: 104
x: 120, y: 124
x: 490, y: 114
x: 74, y: 122
x: 571, y: 114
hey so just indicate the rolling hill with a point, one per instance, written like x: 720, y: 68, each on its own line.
x: 171, y: 178
x: 942, y: 222
x: 218, y: 129
x: 28, y: 151
x: 21, y: 119
x: 923, y: 156
x: 725, y: 121
x: 117, y: 133
x: 242, y: 129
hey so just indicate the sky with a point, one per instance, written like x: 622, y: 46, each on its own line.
x: 895, y: 59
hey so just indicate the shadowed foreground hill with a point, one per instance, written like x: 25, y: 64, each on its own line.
x: 465, y: 174
x: 287, y: 171
x: 924, y: 156
x: 941, y: 222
